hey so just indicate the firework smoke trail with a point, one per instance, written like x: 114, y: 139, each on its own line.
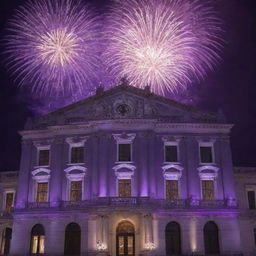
x: 52, y: 46
x: 162, y: 43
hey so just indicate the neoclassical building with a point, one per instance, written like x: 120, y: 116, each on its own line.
x: 127, y: 172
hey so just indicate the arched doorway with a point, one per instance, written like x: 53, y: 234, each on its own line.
x: 6, y: 241
x: 37, y: 239
x: 172, y: 238
x: 211, y: 238
x: 72, y: 239
x: 125, y: 239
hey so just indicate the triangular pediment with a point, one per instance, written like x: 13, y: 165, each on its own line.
x: 125, y: 102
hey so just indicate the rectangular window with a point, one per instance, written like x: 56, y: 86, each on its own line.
x: 37, y: 246
x: 124, y: 188
x: 251, y: 199
x: 76, y: 190
x: 124, y: 152
x: 43, y: 157
x: 208, y: 189
x: 172, y: 189
x: 206, y: 154
x: 171, y: 153
x: 42, y: 192
x: 9, y: 201
x: 77, y: 155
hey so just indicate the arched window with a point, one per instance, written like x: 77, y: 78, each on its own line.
x: 125, y: 239
x: 6, y: 241
x: 173, y: 238
x: 72, y: 239
x: 37, y: 239
x: 211, y: 238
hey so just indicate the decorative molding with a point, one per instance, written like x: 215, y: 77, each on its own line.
x: 75, y: 176
x: 41, y: 175
x: 208, y: 172
x: 124, y: 171
x: 172, y: 139
x: 43, y: 143
x: 172, y: 171
x: 124, y: 137
x: 77, y: 141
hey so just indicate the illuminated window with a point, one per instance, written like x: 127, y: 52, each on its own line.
x: 43, y: 157
x: 124, y: 187
x: 77, y: 155
x: 208, y: 189
x: 37, y: 239
x: 172, y: 189
x: 171, y: 153
x: 42, y: 192
x: 9, y: 200
x: 124, y: 152
x: 206, y: 154
x: 76, y: 190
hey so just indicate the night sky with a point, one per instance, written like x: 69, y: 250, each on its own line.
x: 231, y: 88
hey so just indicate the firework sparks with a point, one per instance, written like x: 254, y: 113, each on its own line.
x: 162, y: 43
x: 52, y: 46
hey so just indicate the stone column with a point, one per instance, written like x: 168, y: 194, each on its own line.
x: 24, y: 174
x: 56, y: 167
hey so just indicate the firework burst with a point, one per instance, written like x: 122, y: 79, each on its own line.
x: 52, y: 46
x: 162, y: 43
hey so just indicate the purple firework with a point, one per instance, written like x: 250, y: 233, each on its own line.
x: 52, y: 46
x: 162, y: 43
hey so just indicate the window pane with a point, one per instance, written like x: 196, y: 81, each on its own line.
x: 44, y: 157
x: 77, y: 154
x: 9, y: 201
x: 76, y: 191
x: 172, y: 189
x: 124, y: 188
x: 34, y: 244
x: 121, y: 245
x: 124, y: 152
x: 171, y: 154
x: 130, y: 245
x: 208, y: 189
x: 41, y: 244
x: 206, y: 154
x: 251, y: 199
x: 42, y: 192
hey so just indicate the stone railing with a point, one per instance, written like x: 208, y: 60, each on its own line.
x: 134, y: 202
x: 38, y: 205
x: 147, y: 203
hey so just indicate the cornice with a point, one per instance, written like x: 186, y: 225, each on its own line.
x: 122, y: 125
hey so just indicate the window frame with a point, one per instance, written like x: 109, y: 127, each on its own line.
x: 40, y: 148
x: 69, y: 190
x: 209, y: 144
x: 214, y: 189
x: 70, y: 153
x: 117, y: 185
x: 247, y: 189
x: 36, y: 191
x: 171, y: 143
x: 131, y: 152
x: 165, y: 189
x: 7, y: 191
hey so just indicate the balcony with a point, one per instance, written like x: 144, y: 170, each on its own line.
x: 133, y: 202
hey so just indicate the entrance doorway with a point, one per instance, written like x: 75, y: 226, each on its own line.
x: 125, y: 239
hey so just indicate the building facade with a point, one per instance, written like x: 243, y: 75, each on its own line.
x: 127, y: 172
